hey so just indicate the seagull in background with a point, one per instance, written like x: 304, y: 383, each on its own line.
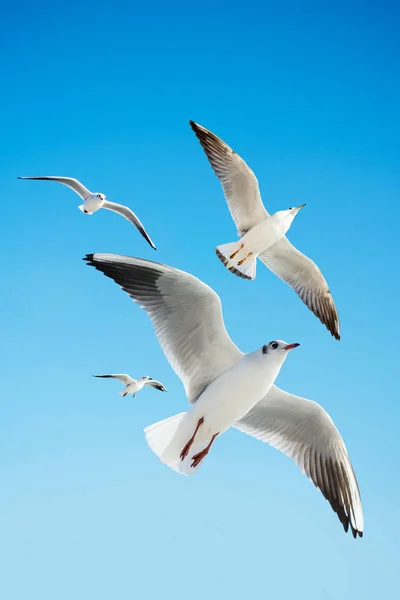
x: 132, y: 386
x: 228, y: 388
x: 93, y: 201
x: 263, y: 235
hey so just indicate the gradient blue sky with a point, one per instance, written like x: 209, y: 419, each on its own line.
x: 309, y: 95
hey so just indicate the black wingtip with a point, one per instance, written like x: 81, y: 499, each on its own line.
x: 194, y: 126
x: 356, y: 533
x: 88, y: 258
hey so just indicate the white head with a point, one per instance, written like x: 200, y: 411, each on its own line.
x: 277, y: 350
x: 285, y: 217
x: 99, y: 196
x: 146, y: 378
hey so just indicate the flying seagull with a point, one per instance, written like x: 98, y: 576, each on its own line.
x: 228, y: 388
x: 263, y: 235
x: 132, y: 386
x: 93, y: 201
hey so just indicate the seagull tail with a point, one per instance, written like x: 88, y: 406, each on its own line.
x: 167, y: 442
x: 82, y: 208
x: 237, y: 259
x: 159, y: 437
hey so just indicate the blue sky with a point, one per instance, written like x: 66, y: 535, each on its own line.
x: 309, y: 95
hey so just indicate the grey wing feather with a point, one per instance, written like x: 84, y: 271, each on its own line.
x: 74, y: 184
x: 186, y: 315
x: 303, y: 275
x: 304, y: 431
x: 238, y: 181
x: 121, y: 376
x: 130, y: 215
x: 156, y: 384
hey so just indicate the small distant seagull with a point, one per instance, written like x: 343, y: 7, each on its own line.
x: 93, y: 201
x: 228, y: 388
x: 263, y: 235
x: 135, y: 385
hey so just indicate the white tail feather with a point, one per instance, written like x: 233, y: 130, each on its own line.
x: 234, y: 253
x: 82, y: 208
x: 159, y: 437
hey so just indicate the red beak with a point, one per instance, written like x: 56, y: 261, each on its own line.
x: 291, y: 346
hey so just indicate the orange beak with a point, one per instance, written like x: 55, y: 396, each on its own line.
x: 291, y: 346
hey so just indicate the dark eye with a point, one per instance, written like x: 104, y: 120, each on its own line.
x: 291, y: 208
x: 273, y: 345
x: 99, y: 195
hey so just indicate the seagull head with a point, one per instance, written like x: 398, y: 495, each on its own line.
x: 285, y: 217
x: 278, y: 349
x: 99, y: 196
x: 296, y: 209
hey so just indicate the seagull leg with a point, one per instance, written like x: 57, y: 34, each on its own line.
x: 237, y: 251
x: 245, y: 258
x: 187, y: 446
x: 197, y: 458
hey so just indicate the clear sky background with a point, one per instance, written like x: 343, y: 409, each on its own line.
x: 308, y: 93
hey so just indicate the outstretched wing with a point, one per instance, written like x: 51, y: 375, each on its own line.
x: 303, y: 275
x: 304, y: 431
x: 238, y: 181
x: 156, y: 384
x: 186, y: 315
x: 126, y: 379
x: 74, y: 184
x: 130, y: 215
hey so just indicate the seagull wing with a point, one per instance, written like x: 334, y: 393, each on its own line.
x: 156, y: 384
x: 121, y: 376
x: 304, y: 431
x: 130, y: 215
x: 186, y: 315
x: 74, y: 184
x: 303, y: 275
x: 238, y: 181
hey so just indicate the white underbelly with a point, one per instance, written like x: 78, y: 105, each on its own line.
x: 93, y: 204
x: 133, y: 387
x: 262, y: 236
x: 224, y: 402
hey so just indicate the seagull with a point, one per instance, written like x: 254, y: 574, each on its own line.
x: 132, y: 386
x: 228, y: 388
x: 263, y: 235
x: 93, y: 201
